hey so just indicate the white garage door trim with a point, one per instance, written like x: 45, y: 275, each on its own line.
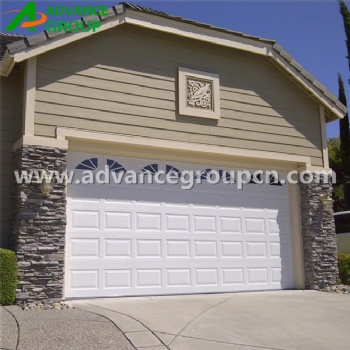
x: 144, y: 245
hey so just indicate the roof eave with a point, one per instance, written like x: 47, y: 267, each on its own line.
x: 6, y: 64
x: 336, y: 110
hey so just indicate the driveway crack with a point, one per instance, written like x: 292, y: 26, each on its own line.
x: 17, y: 324
x: 222, y: 342
x: 133, y: 318
x: 107, y: 319
x: 199, y: 315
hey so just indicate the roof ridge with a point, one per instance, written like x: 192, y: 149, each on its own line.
x: 189, y: 21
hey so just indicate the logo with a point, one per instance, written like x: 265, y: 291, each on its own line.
x: 29, y: 12
x: 29, y: 18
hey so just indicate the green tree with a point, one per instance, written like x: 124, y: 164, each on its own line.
x: 344, y: 127
x: 336, y: 163
x: 344, y: 123
x: 346, y: 19
x: 335, y: 160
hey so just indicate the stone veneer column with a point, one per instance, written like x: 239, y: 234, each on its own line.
x: 319, y: 238
x: 39, y: 228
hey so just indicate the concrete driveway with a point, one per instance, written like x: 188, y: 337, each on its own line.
x: 267, y: 320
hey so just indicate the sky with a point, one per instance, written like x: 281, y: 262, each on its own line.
x: 311, y: 31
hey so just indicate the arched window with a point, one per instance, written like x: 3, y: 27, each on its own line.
x: 88, y: 164
x: 150, y: 169
x: 169, y: 169
x: 115, y: 166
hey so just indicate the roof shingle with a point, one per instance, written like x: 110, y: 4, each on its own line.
x: 6, y: 39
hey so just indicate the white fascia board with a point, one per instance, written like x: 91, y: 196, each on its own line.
x: 304, y: 82
x: 64, y: 40
x: 156, y: 23
x: 6, y: 64
x: 191, y: 31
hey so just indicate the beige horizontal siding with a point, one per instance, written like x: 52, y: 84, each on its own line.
x: 100, y: 112
x: 118, y: 70
x: 122, y: 82
x: 10, y: 130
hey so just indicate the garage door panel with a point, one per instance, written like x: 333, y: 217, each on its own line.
x: 118, y: 248
x: 117, y: 220
x: 84, y: 248
x: 204, y: 224
x: 117, y: 279
x: 179, y: 277
x: 231, y: 249
x: 232, y: 276
x: 148, y: 248
x: 254, y: 225
x: 151, y: 239
x: 84, y: 279
x: 257, y: 275
x: 147, y: 222
x: 178, y: 248
x: 85, y: 219
x: 256, y: 250
x: 230, y: 225
x: 206, y: 277
x: 176, y: 223
x: 146, y: 278
x: 205, y: 249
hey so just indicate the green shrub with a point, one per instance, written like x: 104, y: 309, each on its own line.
x: 8, y: 276
x: 344, y: 268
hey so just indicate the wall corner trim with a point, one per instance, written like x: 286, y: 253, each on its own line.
x: 324, y: 138
x: 29, y: 96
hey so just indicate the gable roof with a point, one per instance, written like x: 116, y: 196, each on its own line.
x: 27, y: 47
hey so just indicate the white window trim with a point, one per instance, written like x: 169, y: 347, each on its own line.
x: 198, y: 112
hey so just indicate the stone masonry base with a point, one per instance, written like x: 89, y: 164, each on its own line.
x: 319, y: 238
x: 39, y: 228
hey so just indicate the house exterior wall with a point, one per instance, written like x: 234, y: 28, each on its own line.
x: 11, y: 109
x: 121, y: 81
x: 124, y: 82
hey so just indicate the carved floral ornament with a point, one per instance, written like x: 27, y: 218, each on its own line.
x: 199, y: 94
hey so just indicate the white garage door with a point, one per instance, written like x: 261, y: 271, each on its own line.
x: 150, y: 239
